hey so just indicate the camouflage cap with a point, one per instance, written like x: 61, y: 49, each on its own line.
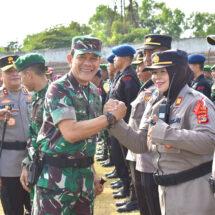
x: 7, y: 62
x: 83, y: 45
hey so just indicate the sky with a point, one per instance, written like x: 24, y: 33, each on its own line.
x: 19, y: 18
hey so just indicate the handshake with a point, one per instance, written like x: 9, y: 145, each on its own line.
x: 115, y: 107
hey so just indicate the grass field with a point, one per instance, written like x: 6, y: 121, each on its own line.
x: 104, y: 203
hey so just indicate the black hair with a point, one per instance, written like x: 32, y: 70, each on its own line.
x: 38, y: 68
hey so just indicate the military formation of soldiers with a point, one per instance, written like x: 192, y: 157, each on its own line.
x: 152, y: 113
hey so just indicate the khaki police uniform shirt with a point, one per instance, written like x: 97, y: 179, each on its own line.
x: 186, y: 142
x: 143, y: 161
x: 16, y: 130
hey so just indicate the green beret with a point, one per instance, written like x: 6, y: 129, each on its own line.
x: 207, y: 68
x: 213, y: 67
x: 103, y: 66
x: 28, y: 60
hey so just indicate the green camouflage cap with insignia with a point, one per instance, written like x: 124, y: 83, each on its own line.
x: 83, y: 45
x: 7, y: 62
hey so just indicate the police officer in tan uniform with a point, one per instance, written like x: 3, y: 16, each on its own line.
x: 15, y: 132
x: 211, y: 41
x: 181, y: 140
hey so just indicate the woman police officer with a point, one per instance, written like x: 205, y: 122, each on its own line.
x: 181, y: 139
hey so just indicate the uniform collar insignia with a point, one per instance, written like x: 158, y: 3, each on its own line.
x: 5, y: 91
x: 24, y: 90
x: 178, y: 101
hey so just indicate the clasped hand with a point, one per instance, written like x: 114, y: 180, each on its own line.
x: 115, y: 107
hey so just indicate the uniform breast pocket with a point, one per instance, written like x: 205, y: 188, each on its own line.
x: 137, y: 108
x: 81, y: 115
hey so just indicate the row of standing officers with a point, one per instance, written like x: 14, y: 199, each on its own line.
x: 63, y: 125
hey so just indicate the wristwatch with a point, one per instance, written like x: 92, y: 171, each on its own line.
x: 111, y: 119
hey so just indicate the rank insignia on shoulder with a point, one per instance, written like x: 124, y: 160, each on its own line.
x: 5, y: 91
x: 106, y: 87
x: 178, y: 101
x: 24, y: 90
x: 147, y: 97
x: 201, y: 111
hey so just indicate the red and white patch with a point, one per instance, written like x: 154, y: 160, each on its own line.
x: 201, y: 111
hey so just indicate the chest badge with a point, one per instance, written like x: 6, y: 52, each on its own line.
x: 11, y: 122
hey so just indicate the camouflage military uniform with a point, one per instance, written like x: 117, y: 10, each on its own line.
x: 37, y: 107
x: 66, y: 190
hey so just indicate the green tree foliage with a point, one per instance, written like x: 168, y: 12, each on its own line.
x: 55, y: 37
x: 123, y: 22
x: 202, y: 24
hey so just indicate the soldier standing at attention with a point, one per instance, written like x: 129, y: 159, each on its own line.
x: 200, y: 83
x: 31, y: 68
x: 68, y: 135
x: 15, y: 132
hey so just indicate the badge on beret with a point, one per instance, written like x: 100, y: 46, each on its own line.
x: 148, y: 39
x: 178, y: 101
x: 156, y: 59
x: 10, y: 60
x: 201, y: 111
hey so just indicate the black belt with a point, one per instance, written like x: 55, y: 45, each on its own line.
x: 181, y: 177
x: 14, y: 145
x: 61, y: 162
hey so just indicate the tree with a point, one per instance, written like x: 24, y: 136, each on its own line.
x: 202, y: 24
x: 58, y: 36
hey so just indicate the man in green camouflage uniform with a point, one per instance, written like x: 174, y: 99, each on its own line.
x: 31, y: 68
x: 67, y: 137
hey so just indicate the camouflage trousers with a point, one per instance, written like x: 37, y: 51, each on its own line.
x: 51, y: 202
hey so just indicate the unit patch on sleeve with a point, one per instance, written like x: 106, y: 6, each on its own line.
x: 201, y: 111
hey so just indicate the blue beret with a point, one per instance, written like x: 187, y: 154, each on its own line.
x: 196, y: 58
x: 124, y: 51
x: 98, y: 73
x: 110, y: 58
